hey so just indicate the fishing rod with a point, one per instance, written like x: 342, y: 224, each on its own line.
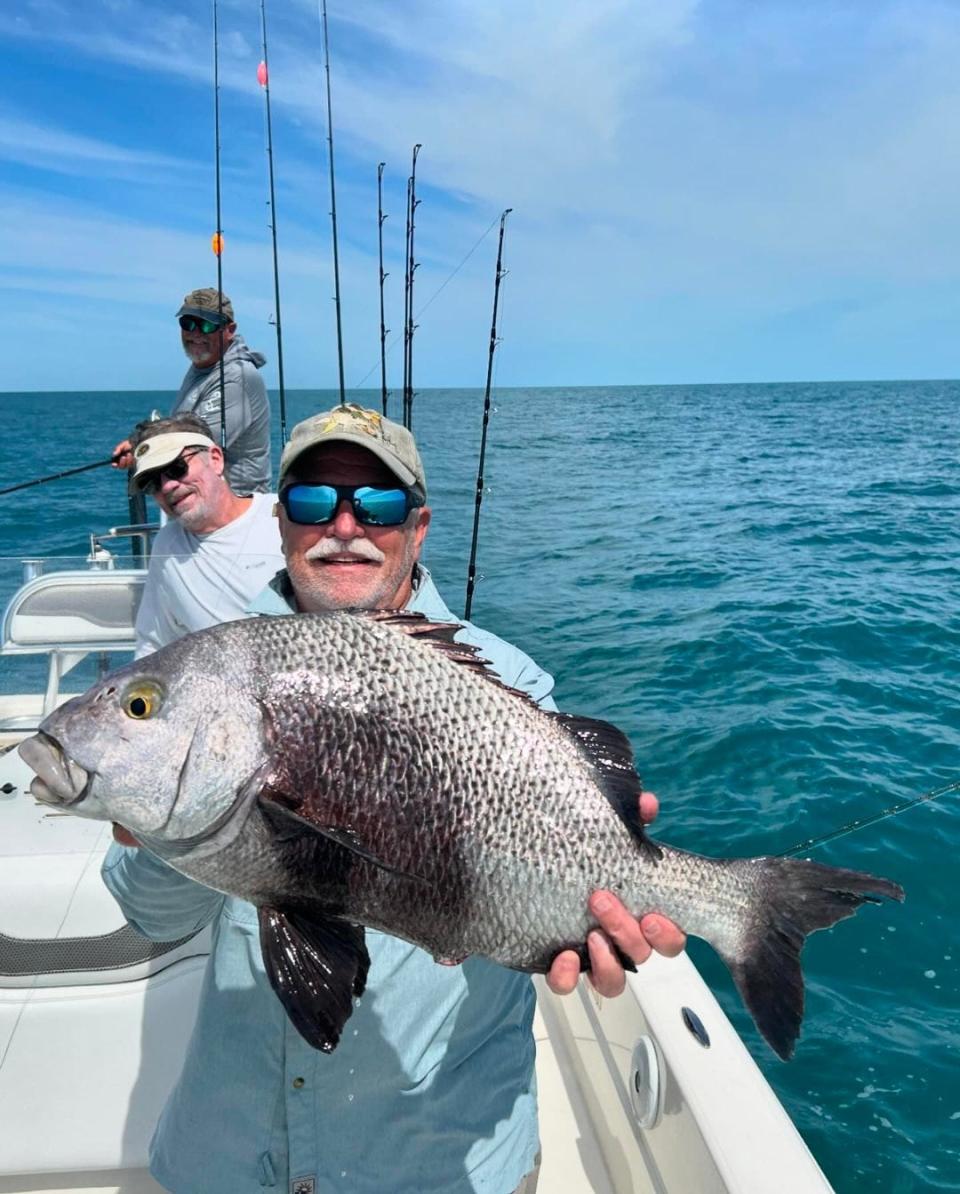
x: 70, y: 472
x: 472, y: 566
x: 412, y: 203
x: 863, y: 822
x: 436, y: 294
x: 406, y: 305
x: 217, y: 242
x: 333, y: 205
x: 263, y: 77
x: 383, y: 277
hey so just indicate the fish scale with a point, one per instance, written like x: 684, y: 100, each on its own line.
x: 344, y: 770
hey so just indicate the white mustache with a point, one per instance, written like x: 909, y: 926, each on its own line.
x: 335, y: 547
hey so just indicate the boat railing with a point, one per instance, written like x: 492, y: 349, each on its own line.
x: 140, y: 535
x: 71, y: 613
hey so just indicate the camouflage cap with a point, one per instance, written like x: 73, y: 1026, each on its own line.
x: 205, y: 304
x: 388, y: 441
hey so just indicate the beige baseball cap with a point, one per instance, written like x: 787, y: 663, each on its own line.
x: 160, y: 450
x: 389, y: 441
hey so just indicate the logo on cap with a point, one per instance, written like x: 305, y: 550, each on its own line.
x: 368, y: 420
x: 142, y: 448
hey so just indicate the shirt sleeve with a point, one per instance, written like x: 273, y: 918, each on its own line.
x: 158, y: 901
x: 514, y: 668
x: 147, y: 626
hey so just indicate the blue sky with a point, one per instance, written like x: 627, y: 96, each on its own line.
x: 717, y: 191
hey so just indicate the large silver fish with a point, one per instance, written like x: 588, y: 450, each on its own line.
x: 341, y: 770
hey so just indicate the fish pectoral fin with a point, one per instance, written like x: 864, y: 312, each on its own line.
x: 316, y: 968
x: 288, y: 823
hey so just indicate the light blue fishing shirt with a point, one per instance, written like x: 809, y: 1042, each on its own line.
x: 432, y: 1088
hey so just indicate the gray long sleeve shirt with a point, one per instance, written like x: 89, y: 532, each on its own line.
x: 246, y: 412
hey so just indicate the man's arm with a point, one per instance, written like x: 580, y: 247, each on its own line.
x: 158, y: 901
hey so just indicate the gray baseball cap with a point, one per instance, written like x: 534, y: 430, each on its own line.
x: 351, y: 424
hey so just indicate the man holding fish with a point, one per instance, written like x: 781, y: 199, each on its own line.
x: 431, y: 1087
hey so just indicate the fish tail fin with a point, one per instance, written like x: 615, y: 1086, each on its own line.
x: 795, y: 898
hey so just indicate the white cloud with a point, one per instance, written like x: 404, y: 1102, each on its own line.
x: 681, y: 174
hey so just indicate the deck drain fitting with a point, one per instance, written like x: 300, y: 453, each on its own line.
x: 695, y: 1026
x: 646, y: 1087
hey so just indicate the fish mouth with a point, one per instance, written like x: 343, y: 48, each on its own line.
x: 59, y: 781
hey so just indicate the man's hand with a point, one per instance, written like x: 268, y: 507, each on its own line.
x: 636, y: 938
x: 123, y: 837
x: 122, y: 455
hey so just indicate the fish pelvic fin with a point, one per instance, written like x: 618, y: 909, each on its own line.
x: 316, y: 967
x: 609, y: 752
x: 795, y: 897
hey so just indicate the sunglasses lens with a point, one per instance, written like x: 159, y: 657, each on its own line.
x: 190, y: 324
x: 176, y: 470
x: 309, y: 505
x: 380, y: 507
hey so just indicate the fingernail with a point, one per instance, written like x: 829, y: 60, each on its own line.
x: 602, y: 902
x: 652, y: 929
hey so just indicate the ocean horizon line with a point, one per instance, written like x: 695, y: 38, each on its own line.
x: 500, y: 389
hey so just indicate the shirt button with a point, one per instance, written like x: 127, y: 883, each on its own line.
x: 298, y: 1083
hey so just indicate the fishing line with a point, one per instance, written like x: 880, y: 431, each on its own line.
x: 436, y: 294
x: 862, y: 823
x: 70, y: 472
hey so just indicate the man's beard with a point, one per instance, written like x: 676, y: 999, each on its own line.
x: 197, y: 356
x: 320, y: 594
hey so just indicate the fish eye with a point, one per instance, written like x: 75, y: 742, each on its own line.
x: 141, y: 701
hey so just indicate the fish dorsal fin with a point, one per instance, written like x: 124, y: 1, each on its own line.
x: 610, y: 753
x: 439, y: 636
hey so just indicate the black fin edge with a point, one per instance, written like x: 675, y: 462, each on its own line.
x: 795, y: 898
x: 609, y: 752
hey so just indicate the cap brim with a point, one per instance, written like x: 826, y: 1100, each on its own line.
x: 204, y: 313
x: 163, y: 454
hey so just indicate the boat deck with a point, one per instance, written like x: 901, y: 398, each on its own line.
x: 572, y: 1157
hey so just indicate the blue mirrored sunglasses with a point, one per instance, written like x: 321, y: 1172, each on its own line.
x: 313, y: 505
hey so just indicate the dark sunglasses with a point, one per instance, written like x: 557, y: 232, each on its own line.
x: 176, y: 470
x: 313, y: 505
x: 208, y: 326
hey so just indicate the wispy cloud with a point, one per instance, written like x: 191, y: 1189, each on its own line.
x: 696, y: 187
x: 49, y: 148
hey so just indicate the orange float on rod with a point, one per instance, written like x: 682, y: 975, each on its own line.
x: 216, y: 243
x: 262, y: 74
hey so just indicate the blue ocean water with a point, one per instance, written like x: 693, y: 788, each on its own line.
x: 755, y: 583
